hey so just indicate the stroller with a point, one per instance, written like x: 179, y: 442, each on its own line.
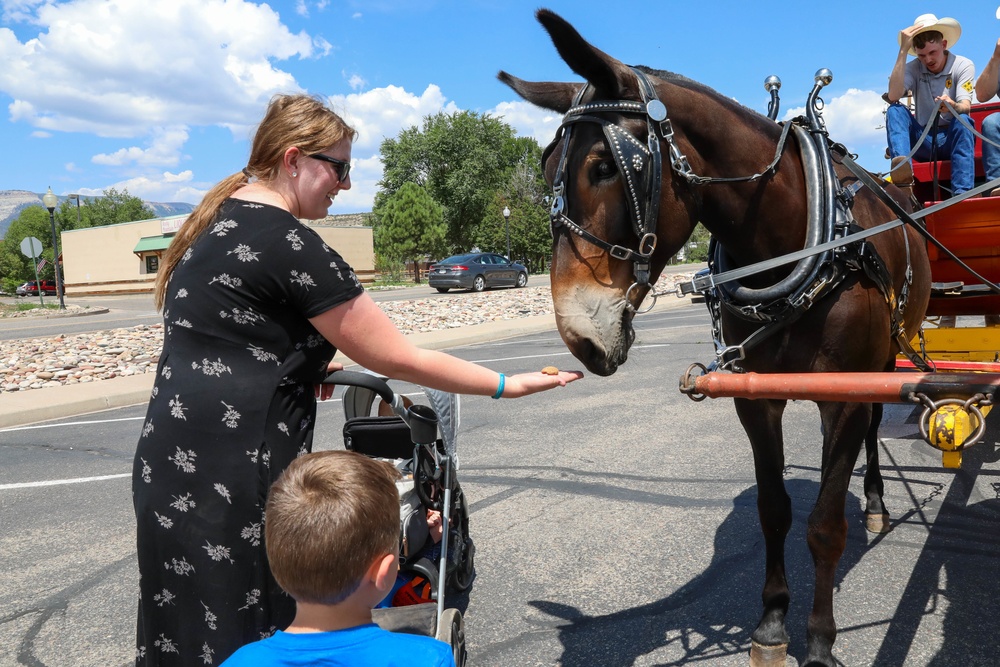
x: 409, y: 440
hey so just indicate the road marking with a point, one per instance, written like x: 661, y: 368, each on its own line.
x: 529, y: 356
x: 100, y: 421
x: 57, y: 482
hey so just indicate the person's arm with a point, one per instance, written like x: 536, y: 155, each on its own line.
x: 363, y: 332
x: 897, y: 80
x: 964, y: 73
x: 987, y: 84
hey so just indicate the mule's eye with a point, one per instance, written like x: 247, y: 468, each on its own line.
x: 606, y: 169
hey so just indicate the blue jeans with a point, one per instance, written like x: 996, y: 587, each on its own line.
x: 955, y: 142
x: 991, y: 154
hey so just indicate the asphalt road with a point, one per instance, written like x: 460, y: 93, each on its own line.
x: 615, y: 524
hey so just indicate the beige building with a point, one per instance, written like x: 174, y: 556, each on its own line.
x: 125, y: 257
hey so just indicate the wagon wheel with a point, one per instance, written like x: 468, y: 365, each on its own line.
x: 451, y: 630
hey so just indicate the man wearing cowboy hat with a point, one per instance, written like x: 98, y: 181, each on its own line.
x: 936, y: 78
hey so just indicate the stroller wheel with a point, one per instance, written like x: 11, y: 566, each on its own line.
x: 451, y: 630
x: 464, y: 572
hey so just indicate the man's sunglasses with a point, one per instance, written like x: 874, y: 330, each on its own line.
x: 343, y: 168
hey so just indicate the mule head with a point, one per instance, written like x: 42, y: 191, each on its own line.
x: 591, y: 293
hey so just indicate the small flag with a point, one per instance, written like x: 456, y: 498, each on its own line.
x: 40, y: 265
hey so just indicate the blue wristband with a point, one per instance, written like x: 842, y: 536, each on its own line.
x: 503, y: 381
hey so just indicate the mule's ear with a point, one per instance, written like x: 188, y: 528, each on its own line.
x: 609, y: 76
x: 545, y: 94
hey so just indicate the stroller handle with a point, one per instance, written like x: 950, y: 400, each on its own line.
x: 369, y: 381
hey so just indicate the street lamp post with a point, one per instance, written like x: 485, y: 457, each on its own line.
x: 50, y: 201
x: 506, y: 220
x: 77, y: 198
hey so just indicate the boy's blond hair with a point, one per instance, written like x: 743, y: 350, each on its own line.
x: 329, y: 516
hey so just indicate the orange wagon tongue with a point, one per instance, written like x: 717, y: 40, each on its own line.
x: 550, y: 370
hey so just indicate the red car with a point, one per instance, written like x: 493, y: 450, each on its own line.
x: 30, y: 288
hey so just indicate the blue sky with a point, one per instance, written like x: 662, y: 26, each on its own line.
x: 160, y: 96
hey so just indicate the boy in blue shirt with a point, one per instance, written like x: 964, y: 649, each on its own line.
x: 332, y: 537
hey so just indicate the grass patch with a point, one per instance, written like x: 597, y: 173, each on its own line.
x: 13, y: 308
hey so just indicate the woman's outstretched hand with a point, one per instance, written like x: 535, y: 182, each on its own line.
x: 524, y: 384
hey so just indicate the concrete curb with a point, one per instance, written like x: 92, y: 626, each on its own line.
x: 38, y: 405
x: 57, y: 315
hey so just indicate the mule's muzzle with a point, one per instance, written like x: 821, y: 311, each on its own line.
x: 600, y: 358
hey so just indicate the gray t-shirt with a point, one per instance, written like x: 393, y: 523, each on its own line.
x: 957, y: 79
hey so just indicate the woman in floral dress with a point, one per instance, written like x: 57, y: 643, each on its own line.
x: 254, y: 307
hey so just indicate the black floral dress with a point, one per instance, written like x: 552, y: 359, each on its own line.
x: 232, y: 406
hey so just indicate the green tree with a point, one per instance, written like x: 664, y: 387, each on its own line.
x: 696, y: 247
x: 411, y: 226
x: 114, y: 207
x: 68, y: 213
x: 15, y: 268
x: 462, y: 159
x: 526, y: 195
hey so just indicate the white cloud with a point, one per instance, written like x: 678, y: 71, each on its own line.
x: 164, y: 150
x: 383, y: 112
x: 118, y: 69
x: 321, y: 47
x: 529, y: 120
x: 147, y: 71
x: 355, y: 81
x: 854, y: 119
x: 164, y: 187
x: 19, y: 10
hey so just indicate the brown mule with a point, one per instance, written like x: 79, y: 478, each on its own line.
x: 610, y: 216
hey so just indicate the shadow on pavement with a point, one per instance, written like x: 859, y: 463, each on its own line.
x: 711, y: 617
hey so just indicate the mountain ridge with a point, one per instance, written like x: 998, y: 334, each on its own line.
x: 12, y: 202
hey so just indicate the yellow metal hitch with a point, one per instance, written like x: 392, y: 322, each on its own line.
x: 951, y: 425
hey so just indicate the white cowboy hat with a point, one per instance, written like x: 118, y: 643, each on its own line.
x: 948, y: 27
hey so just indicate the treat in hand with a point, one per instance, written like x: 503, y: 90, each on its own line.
x: 550, y: 370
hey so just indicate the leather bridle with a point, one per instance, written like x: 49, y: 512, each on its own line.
x: 640, y: 166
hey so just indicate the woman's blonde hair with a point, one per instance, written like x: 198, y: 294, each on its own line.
x: 302, y: 121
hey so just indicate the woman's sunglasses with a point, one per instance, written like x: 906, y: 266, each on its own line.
x: 343, y: 168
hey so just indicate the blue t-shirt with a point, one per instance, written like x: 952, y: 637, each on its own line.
x: 361, y: 646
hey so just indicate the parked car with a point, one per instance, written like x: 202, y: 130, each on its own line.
x: 30, y: 288
x: 476, y: 271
